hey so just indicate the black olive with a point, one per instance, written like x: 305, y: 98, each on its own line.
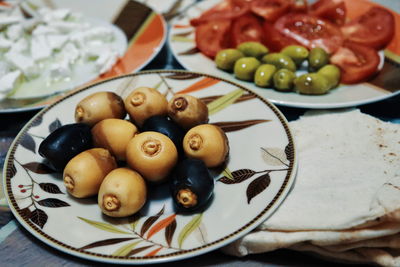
x: 191, y: 185
x: 166, y: 126
x: 65, y: 143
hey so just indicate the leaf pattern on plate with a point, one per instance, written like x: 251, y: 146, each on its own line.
x: 38, y: 217
x: 274, y: 156
x: 104, y: 226
x: 11, y: 171
x: 54, y: 125
x: 138, y: 250
x: 29, y: 143
x: 257, y: 186
x: 38, y: 121
x: 52, y: 203
x: 107, y: 242
x: 170, y: 231
x: 189, y: 228
x: 38, y: 168
x: 126, y: 249
x: 203, y: 83
x: 150, y: 221
x: 244, y: 97
x: 160, y: 225
x: 224, y: 101
x: 190, y: 51
x: 153, y: 252
x: 183, y: 76
x: 50, y: 188
x: 230, y: 126
x: 238, y: 176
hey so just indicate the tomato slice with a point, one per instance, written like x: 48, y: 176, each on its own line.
x: 270, y: 10
x: 375, y: 28
x: 213, y: 36
x: 310, y: 31
x: 227, y: 9
x: 332, y: 10
x: 299, y: 6
x: 275, y: 40
x: 357, y: 62
x: 247, y: 28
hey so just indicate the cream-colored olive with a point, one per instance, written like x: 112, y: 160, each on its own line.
x: 152, y: 154
x: 84, y: 173
x: 114, y: 135
x: 122, y: 193
x: 145, y: 102
x: 99, y: 106
x: 208, y: 143
x: 187, y: 110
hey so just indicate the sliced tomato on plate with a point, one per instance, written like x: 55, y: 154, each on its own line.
x: 299, y: 6
x: 213, y: 36
x: 275, y: 40
x: 375, y: 28
x: 332, y: 10
x: 226, y: 9
x: 247, y: 28
x: 357, y: 62
x: 310, y: 31
x: 270, y: 10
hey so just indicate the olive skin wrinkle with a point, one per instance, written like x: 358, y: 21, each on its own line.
x: 65, y: 143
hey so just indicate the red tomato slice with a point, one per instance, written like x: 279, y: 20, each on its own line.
x: 270, y: 10
x: 332, y: 10
x: 247, y: 28
x: 375, y: 28
x: 227, y: 9
x: 299, y: 6
x: 213, y: 36
x: 310, y: 31
x: 275, y: 40
x: 357, y: 62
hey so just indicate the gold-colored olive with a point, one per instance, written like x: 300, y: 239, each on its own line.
x: 187, y: 111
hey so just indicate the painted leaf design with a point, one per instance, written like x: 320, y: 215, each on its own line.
x: 104, y: 226
x: 201, y: 234
x: 138, y: 250
x: 244, y: 97
x: 189, y: 52
x: 199, y: 85
x: 150, y: 221
x: 38, y: 217
x: 238, y: 176
x: 257, y: 186
x: 134, y: 222
x: 189, y: 228
x: 37, y: 121
x: 38, y: 168
x: 170, y: 231
x: 227, y: 173
x: 52, y: 203
x: 12, y: 170
x: 126, y: 249
x: 29, y: 143
x: 289, y: 152
x: 107, y: 242
x: 153, y: 252
x: 26, y: 213
x: 54, y: 125
x: 273, y: 156
x: 182, y: 39
x: 183, y: 33
x: 230, y: 126
x: 224, y: 101
x: 160, y: 225
x: 183, y: 76
x: 50, y: 188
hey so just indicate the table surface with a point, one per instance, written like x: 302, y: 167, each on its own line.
x: 18, y: 247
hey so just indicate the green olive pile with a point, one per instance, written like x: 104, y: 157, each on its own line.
x: 106, y: 154
x: 250, y: 61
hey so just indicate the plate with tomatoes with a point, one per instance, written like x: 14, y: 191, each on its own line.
x: 360, y: 37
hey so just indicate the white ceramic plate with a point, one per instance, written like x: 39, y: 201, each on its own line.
x: 260, y: 171
x: 181, y: 40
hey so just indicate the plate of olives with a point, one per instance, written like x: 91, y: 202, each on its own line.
x: 150, y: 167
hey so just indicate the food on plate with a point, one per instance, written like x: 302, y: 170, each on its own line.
x: 122, y: 193
x: 153, y: 155
x: 252, y: 49
x: 283, y: 80
x: 332, y: 10
x: 114, y: 135
x: 245, y: 68
x: 270, y: 10
x: 208, y: 143
x: 191, y: 185
x: 312, y: 84
x: 85, y: 172
x: 263, y: 75
x: 331, y: 73
x: 246, y: 28
x: 187, y: 111
x: 64, y: 143
x: 317, y: 58
x: 99, y: 106
x: 144, y: 102
x: 280, y: 61
x: 297, y: 53
x: 49, y: 44
x: 226, y: 58
x: 212, y: 36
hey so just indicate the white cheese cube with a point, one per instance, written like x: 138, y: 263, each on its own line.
x: 9, y: 80
x: 40, y: 48
x: 56, y: 41
x: 60, y: 70
x: 14, y: 32
x: 23, y: 63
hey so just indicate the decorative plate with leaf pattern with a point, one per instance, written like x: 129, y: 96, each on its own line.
x: 257, y: 177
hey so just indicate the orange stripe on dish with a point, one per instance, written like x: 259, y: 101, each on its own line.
x: 357, y: 8
x: 181, y: 26
x: 203, y: 83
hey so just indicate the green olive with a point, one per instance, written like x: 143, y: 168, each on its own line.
x: 226, y: 58
x: 253, y: 49
x: 283, y: 80
x: 263, y: 75
x: 312, y: 84
x: 317, y: 58
x: 331, y: 73
x: 281, y: 61
x: 296, y: 52
x: 245, y: 68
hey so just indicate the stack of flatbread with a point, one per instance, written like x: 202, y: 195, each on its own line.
x: 345, y: 202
